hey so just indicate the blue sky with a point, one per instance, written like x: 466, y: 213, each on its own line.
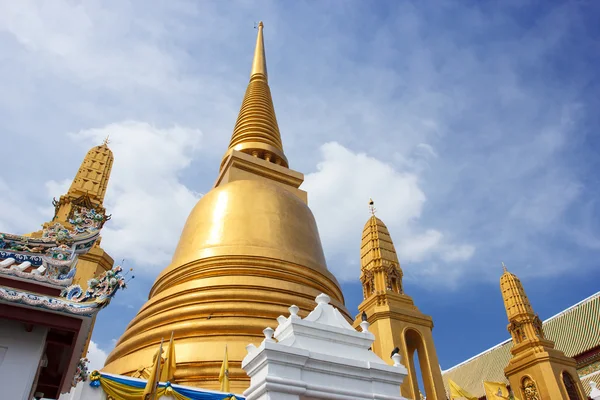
x: 473, y: 125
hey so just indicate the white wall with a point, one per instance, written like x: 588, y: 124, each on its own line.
x: 22, y: 353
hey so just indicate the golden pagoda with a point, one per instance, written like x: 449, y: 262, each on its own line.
x: 87, y: 193
x: 396, y: 322
x: 536, y: 370
x: 249, y: 249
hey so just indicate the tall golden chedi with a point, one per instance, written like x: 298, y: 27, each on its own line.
x: 249, y: 249
x: 395, y: 321
x: 87, y: 190
x: 536, y: 370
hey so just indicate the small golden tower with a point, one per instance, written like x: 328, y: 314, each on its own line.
x: 89, y: 186
x: 249, y: 249
x: 87, y: 191
x: 396, y: 322
x: 536, y: 370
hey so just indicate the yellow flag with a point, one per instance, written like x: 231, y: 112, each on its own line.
x: 495, y: 390
x: 224, y: 374
x: 154, y: 375
x: 168, y: 371
x: 456, y: 392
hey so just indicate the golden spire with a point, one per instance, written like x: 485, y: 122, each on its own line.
x: 87, y: 189
x: 378, y: 256
x: 259, y: 63
x: 92, y: 178
x: 523, y: 321
x: 256, y: 131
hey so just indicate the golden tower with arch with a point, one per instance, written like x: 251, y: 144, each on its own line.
x: 536, y: 370
x: 396, y: 322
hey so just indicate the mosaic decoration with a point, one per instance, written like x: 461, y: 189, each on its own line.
x: 66, y: 281
x: 56, y: 233
x: 35, y: 260
x: 100, y: 290
x: 10, y: 242
x: 81, y: 373
x: 58, y: 265
x: 86, y: 220
x: 48, y: 302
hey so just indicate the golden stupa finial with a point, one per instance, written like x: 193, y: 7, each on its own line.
x: 256, y: 131
x: 372, y: 208
x: 106, y: 141
x: 259, y: 63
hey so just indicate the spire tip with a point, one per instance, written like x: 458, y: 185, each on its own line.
x: 372, y: 207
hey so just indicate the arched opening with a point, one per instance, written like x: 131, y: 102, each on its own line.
x: 570, y: 386
x: 368, y: 283
x: 393, y: 279
x: 418, y: 366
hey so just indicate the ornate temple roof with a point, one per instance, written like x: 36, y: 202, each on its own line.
x: 50, y: 260
x: 574, y: 331
x: 50, y: 257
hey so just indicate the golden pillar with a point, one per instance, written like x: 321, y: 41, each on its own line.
x: 536, y: 370
x: 395, y: 321
x: 249, y: 249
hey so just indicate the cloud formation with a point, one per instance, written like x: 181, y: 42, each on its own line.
x: 145, y: 193
x: 339, y: 193
x: 470, y: 119
x: 96, y: 356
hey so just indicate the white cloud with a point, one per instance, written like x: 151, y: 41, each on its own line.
x: 148, y: 201
x: 97, y: 357
x: 339, y: 193
x: 19, y: 214
x: 85, y: 40
x: 471, y: 149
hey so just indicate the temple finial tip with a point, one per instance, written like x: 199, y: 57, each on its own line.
x: 372, y: 207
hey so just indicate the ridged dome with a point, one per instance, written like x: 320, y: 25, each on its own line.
x: 248, y: 251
